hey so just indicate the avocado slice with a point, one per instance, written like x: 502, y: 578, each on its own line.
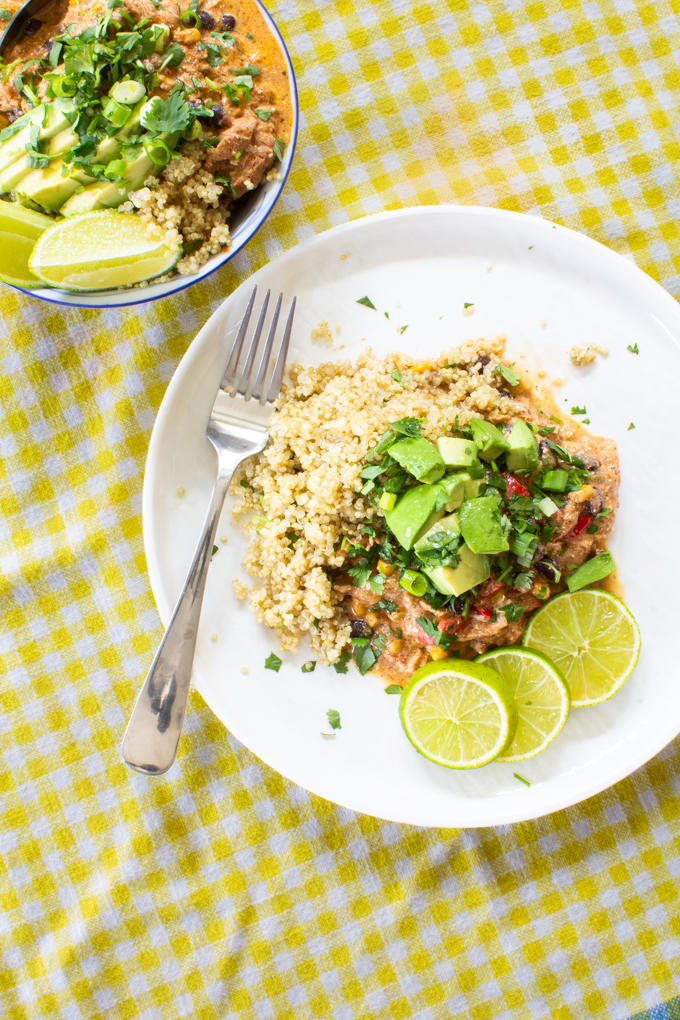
x: 450, y: 526
x: 412, y: 513
x: 49, y: 189
x: 523, y: 452
x: 17, y: 171
x: 471, y: 485
x: 480, y: 523
x: 454, y: 487
x: 419, y: 457
x: 471, y: 571
x: 52, y: 118
x: 490, y: 441
x: 457, y: 452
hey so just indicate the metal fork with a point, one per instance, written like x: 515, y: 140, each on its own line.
x: 237, y: 430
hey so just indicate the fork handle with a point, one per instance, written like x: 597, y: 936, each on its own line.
x: 151, y: 739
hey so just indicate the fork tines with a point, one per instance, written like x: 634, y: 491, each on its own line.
x: 242, y: 381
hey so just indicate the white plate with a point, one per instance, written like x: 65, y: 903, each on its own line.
x: 421, y: 265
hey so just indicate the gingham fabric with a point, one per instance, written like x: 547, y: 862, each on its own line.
x: 222, y: 890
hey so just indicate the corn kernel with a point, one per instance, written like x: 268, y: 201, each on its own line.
x: 385, y: 568
x: 372, y: 619
x: 541, y: 590
x: 394, y: 647
x: 437, y: 653
x: 358, y: 608
x: 424, y: 367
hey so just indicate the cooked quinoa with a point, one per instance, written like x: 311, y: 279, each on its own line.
x: 183, y: 206
x: 305, y: 487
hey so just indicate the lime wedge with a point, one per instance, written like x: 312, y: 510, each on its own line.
x: 100, y: 251
x: 459, y: 714
x: 593, y: 640
x: 540, y: 693
x: 20, y: 228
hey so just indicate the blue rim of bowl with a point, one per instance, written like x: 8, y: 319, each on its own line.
x: 97, y: 297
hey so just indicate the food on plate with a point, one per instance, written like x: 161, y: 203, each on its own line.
x: 541, y: 695
x: 593, y: 639
x: 458, y: 714
x: 412, y: 512
x: 167, y: 112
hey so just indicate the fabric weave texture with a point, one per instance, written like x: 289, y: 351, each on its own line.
x: 222, y: 890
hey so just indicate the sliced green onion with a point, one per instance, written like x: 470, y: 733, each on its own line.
x: 524, y: 547
x: 555, y: 480
x: 547, y: 506
x: 387, y: 500
x: 161, y: 35
x: 157, y: 151
x: 116, y: 168
x: 189, y: 19
x: 128, y: 92
x: 193, y: 132
x: 64, y: 88
x: 116, y: 112
x: 413, y: 582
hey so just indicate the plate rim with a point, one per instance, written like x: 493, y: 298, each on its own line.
x: 625, y: 265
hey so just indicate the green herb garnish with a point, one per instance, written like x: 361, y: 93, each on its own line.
x: 279, y: 149
x: 333, y: 717
x: 508, y: 374
x: 521, y: 780
x: 396, y: 375
x: 309, y: 667
x: 633, y: 349
x: 367, y: 301
x: 631, y: 426
x: 393, y: 689
x: 273, y: 662
x: 341, y: 665
x: 579, y: 410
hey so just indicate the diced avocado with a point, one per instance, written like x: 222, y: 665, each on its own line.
x: 490, y: 441
x: 523, y: 452
x: 419, y: 457
x: 457, y: 452
x: 449, y: 525
x: 480, y: 523
x: 471, y: 571
x: 471, y: 485
x: 14, y: 174
x: 412, y: 511
x: 51, y: 118
x: 592, y: 570
x: 453, y: 487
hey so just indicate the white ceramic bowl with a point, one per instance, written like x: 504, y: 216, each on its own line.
x: 244, y: 225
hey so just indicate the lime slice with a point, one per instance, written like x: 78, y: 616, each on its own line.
x: 540, y: 693
x: 593, y: 640
x: 20, y: 228
x: 459, y: 714
x: 100, y: 251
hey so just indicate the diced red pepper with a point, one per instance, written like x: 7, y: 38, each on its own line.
x: 490, y: 587
x: 423, y: 638
x: 450, y: 623
x: 513, y: 487
x: 482, y: 611
x: 580, y: 526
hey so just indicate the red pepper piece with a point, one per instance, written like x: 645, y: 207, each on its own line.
x: 490, y: 587
x: 423, y: 638
x: 450, y: 623
x: 513, y: 487
x: 482, y: 611
x: 580, y: 526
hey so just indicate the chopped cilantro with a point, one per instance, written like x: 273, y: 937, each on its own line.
x: 273, y: 662
x: 264, y: 114
x: 633, y: 349
x: 341, y: 665
x: 440, y: 639
x: 508, y: 374
x: 5, y: 15
x: 468, y: 304
x: 367, y: 301
x: 546, y: 430
x: 214, y: 550
x: 364, y: 656
x: 393, y: 689
x: 558, y: 421
x: 309, y: 667
x: 586, y: 421
x: 396, y: 375
x: 389, y: 607
x: 512, y: 612
x: 172, y: 114
x: 377, y: 583
x: 360, y: 575
x: 402, y: 329
x: 631, y: 426
x: 279, y: 148
x: 292, y: 538
x: 333, y: 717
x: 579, y: 410
x: 174, y: 55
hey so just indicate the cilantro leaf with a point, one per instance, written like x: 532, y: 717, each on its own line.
x: 512, y: 612
x: 333, y: 717
x: 171, y: 114
x: 633, y: 349
x: 468, y: 304
x: 402, y: 329
x: 364, y: 656
x: 273, y: 662
x: 407, y: 426
x: 360, y: 575
x: 214, y: 550
x: 396, y: 375
x: 393, y: 689
x: 631, y: 426
x: 367, y: 301
x: 5, y: 15
x: 279, y: 148
x: 377, y: 583
x: 309, y: 667
x: 508, y: 374
x: 579, y: 410
x: 263, y: 114
x: 386, y: 605
x: 341, y: 665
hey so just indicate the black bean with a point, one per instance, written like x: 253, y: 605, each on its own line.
x: 218, y: 113
x: 207, y: 21
x: 459, y: 605
x: 482, y: 361
x: 47, y: 45
x: 548, y: 568
x: 589, y: 463
x: 595, y: 504
x: 13, y: 115
x: 32, y: 27
x: 360, y: 628
x: 228, y: 22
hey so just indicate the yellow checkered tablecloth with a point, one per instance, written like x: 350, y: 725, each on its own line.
x: 222, y: 890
